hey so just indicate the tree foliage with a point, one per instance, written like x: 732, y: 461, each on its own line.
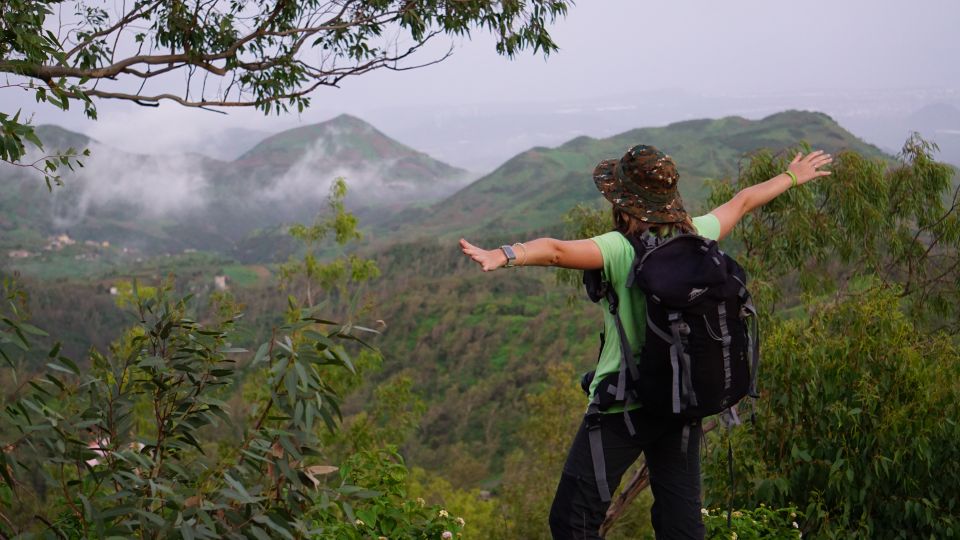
x: 307, y: 272
x: 856, y: 425
x: 552, y: 417
x: 857, y: 372
x: 268, y: 55
x: 178, y: 431
x: 100, y: 468
x: 761, y: 523
x: 896, y: 222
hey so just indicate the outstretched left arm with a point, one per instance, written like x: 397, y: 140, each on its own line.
x: 574, y: 254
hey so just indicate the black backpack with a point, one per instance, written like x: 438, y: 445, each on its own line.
x: 701, y: 349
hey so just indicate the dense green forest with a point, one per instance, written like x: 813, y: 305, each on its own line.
x: 457, y: 389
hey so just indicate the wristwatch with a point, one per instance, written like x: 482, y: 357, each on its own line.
x: 511, y: 256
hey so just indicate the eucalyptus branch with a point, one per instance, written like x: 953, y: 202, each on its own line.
x: 50, y: 526
x: 276, y: 36
x: 121, y: 23
x: 23, y: 86
x: 9, y: 523
x: 946, y: 215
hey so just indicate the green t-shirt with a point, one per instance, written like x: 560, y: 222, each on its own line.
x: 617, y: 259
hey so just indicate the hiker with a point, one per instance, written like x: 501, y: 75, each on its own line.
x: 642, y: 188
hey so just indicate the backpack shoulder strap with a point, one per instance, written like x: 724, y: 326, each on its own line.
x: 642, y: 244
x: 598, y: 287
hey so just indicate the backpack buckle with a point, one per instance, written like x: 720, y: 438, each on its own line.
x: 676, y: 318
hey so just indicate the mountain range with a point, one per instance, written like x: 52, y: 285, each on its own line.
x: 169, y: 203
x: 534, y: 189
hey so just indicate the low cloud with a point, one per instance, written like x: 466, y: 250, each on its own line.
x: 123, y: 189
x: 150, y: 186
x: 373, y: 183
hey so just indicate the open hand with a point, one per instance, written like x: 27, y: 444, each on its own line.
x: 805, y: 167
x: 488, y: 259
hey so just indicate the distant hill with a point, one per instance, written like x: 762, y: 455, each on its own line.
x: 384, y: 169
x: 286, y: 177
x: 167, y: 203
x: 115, y: 196
x: 534, y: 189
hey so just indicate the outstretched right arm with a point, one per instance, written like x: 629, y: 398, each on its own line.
x: 804, y: 167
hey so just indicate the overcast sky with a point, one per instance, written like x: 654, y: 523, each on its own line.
x: 618, y: 51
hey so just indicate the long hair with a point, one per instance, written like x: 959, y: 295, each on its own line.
x: 631, y: 226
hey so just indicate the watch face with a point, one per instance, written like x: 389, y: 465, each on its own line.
x: 511, y: 256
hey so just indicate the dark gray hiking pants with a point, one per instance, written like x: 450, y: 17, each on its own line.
x: 577, y: 510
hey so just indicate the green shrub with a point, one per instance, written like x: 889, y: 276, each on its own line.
x: 856, y: 424
x: 761, y: 523
x: 143, y: 443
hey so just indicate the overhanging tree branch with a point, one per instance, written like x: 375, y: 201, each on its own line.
x: 269, y: 54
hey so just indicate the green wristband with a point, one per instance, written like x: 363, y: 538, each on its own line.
x: 793, y: 178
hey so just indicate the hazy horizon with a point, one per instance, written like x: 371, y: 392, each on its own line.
x: 479, y: 138
x: 622, y: 64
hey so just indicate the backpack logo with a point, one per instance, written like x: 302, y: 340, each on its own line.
x: 695, y: 293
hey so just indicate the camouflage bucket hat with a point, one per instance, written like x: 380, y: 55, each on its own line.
x: 643, y: 183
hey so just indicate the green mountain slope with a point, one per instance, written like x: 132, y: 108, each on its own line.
x: 534, y: 189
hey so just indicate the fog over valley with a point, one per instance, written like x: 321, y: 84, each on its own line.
x: 145, y: 200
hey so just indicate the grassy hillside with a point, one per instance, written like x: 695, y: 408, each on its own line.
x: 532, y: 190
